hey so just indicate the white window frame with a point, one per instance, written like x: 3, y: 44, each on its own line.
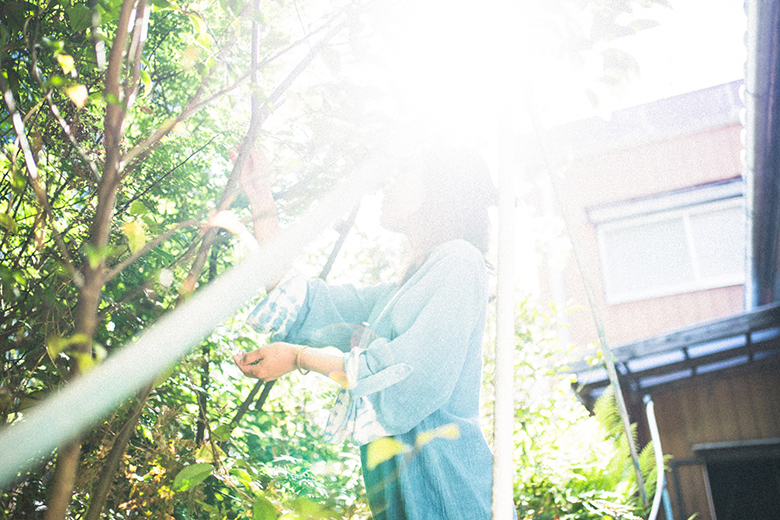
x: 675, y: 205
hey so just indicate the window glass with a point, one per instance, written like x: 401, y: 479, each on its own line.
x: 719, y: 242
x: 647, y: 256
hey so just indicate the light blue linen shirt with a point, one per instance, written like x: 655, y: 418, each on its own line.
x: 413, y: 356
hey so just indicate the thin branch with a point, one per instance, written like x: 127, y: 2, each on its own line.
x: 68, y: 133
x: 136, y: 46
x: 196, y: 104
x: 32, y: 171
x: 248, y: 401
x: 111, y: 462
x: 147, y: 247
x: 244, y: 407
x: 163, y: 176
x: 345, y: 226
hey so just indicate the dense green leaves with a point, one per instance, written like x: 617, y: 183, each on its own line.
x: 569, y: 464
x: 190, y: 84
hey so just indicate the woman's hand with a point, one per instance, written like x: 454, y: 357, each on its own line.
x: 257, y: 185
x: 254, y: 178
x: 277, y: 359
x: 269, y: 362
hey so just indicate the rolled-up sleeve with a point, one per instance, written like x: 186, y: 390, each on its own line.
x: 395, y: 384
x: 279, y: 310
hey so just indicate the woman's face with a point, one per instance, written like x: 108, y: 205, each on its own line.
x: 401, y: 203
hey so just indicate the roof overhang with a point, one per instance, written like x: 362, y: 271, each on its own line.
x: 741, y: 342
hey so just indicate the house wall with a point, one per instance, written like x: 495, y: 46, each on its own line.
x: 731, y: 407
x: 645, y: 151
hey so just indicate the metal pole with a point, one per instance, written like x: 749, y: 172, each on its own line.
x: 660, y: 483
x: 503, y: 427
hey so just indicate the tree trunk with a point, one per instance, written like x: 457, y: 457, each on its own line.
x: 94, y: 269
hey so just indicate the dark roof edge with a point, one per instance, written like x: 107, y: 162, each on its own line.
x: 757, y: 319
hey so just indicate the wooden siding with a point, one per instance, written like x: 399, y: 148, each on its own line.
x: 740, y: 406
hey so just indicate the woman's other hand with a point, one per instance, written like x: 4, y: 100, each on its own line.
x: 269, y: 362
x: 254, y: 177
x: 256, y: 183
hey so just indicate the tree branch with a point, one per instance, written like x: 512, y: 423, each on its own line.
x: 67, y: 130
x: 136, y: 46
x: 112, y: 460
x: 121, y: 266
x: 195, y: 104
x: 32, y: 172
x: 163, y: 176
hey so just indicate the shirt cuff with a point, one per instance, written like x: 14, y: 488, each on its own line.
x: 353, y: 414
x: 278, y: 311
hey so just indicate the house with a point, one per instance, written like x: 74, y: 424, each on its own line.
x: 676, y: 209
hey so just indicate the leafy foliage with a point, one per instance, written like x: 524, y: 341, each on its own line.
x: 571, y: 465
x: 94, y: 251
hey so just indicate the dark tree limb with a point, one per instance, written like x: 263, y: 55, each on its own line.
x: 114, y: 457
x: 90, y: 292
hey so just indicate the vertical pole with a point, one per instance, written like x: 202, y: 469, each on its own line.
x: 503, y: 427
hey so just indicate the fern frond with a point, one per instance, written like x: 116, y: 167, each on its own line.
x: 607, y: 413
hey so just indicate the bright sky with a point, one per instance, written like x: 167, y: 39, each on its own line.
x: 449, y: 61
x: 457, y: 67
x: 698, y: 44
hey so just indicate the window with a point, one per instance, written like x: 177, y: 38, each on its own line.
x: 674, y: 243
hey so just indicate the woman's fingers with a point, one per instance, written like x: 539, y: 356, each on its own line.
x: 268, y: 362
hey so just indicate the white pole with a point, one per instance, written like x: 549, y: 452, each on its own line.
x: 503, y: 427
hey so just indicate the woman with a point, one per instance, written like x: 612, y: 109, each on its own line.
x: 411, y: 352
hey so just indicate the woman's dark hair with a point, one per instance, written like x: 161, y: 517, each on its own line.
x: 458, y: 193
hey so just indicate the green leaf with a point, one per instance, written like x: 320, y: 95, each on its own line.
x: 263, y: 509
x: 136, y: 235
x: 147, y: 82
x: 243, y: 476
x: 203, y: 37
x: 209, y: 453
x: 79, y: 17
x: 111, y: 9
x: 57, y: 344
x: 85, y: 361
x: 18, y: 181
x: 95, y: 255
x: 8, y: 222
x: 191, y: 476
x: 221, y: 432
x: 138, y: 208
